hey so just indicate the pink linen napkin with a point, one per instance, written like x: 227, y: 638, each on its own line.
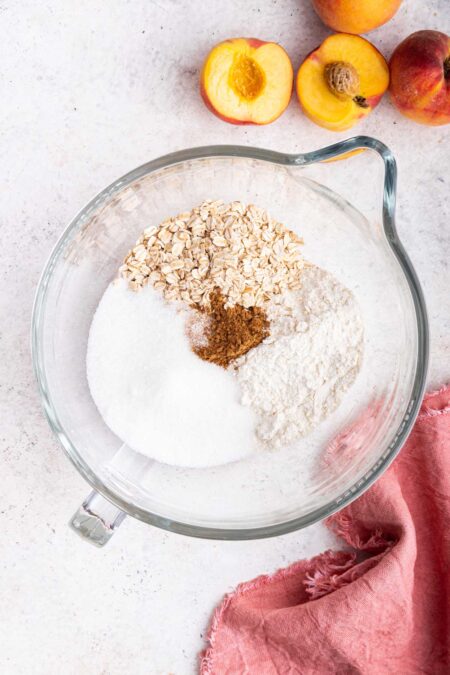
x: 382, y: 608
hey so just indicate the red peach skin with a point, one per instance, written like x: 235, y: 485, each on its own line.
x: 420, y: 77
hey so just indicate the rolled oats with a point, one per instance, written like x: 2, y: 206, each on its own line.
x: 235, y: 247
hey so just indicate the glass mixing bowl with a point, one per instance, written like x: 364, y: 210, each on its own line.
x: 273, y: 492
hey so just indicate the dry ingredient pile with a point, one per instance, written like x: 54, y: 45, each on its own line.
x: 280, y: 341
x: 227, y: 333
x: 238, y: 249
x: 299, y: 375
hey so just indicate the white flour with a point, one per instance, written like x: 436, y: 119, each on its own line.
x: 298, y: 376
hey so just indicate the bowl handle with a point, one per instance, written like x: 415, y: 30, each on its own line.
x: 97, y: 519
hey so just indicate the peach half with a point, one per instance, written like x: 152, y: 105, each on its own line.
x: 342, y: 81
x: 355, y: 16
x: 420, y: 77
x: 247, y: 81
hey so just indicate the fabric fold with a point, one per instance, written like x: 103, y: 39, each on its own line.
x: 383, y: 607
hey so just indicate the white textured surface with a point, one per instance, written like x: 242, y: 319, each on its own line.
x: 90, y: 90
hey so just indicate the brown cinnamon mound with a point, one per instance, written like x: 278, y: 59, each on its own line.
x: 230, y: 332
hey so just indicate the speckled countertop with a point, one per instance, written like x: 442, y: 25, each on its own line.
x: 89, y: 91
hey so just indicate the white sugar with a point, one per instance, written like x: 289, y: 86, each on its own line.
x: 154, y: 393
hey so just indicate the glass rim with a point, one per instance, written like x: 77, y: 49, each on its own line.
x: 290, y: 160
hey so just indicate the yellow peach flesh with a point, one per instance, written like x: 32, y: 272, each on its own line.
x: 243, y: 83
x: 246, y: 77
x: 317, y: 99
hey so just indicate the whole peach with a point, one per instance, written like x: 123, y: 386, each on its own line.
x: 355, y: 16
x: 420, y: 77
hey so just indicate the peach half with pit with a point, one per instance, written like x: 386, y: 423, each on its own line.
x: 247, y: 81
x: 342, y: 81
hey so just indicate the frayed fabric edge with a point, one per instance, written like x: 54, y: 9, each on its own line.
x: 322, y: 576
x: 443, y: 406
x: 206, y: 656
x: 344, y: 527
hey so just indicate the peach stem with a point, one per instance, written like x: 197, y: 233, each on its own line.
x: 361, y: 101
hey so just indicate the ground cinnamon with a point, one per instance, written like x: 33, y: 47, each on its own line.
x: 231, y: 332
